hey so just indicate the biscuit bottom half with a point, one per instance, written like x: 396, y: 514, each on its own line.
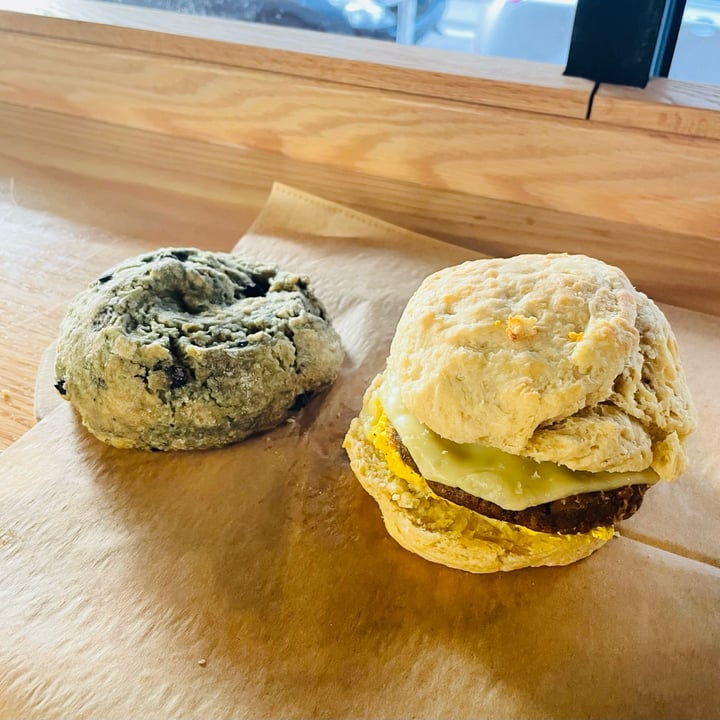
x: 437, y: 529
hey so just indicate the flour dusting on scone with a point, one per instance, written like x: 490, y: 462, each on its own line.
x: 187, y: 349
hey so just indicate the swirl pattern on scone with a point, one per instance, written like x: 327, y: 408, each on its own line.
x: 186, y: 349
x: 554, y: 357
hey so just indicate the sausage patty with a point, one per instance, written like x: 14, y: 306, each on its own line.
x: 567, y: 516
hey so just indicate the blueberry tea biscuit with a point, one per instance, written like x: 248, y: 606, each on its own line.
x: 182, y: 349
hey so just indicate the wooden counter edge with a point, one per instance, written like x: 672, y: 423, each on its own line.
x: 116, y: 168
x: 482, y: 80
x: 664, y: 105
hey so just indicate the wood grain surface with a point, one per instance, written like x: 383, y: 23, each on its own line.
x: 134, y: 182
x: 37, y: 254
x: 664, y: 105
x: 143, y: 190
x: 503, y: 82
x: 668, y: 182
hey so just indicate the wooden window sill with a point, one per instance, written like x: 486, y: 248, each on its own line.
x: 362, y: 62
x: 666, y: 105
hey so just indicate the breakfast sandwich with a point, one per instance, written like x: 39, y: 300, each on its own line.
x: 526, y: 407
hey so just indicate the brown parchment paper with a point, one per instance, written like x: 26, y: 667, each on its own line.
x: 258, y: 581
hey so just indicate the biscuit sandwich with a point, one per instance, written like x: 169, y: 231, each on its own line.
x: 526, y: 406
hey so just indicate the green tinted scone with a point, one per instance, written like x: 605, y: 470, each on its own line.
x: 185, y: 349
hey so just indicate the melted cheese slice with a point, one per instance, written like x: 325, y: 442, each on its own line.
x: 510, y: 481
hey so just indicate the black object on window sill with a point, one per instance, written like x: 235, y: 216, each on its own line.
x: 623, y: 42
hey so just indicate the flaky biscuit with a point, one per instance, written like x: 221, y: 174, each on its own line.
x: 555, y: 357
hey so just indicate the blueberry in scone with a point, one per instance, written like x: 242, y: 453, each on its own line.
x: 188, y: 349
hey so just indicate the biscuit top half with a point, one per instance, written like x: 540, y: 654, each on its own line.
x: 555, y: 357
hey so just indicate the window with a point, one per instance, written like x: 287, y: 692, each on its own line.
x: 537, y: 30
x: 697, y: 53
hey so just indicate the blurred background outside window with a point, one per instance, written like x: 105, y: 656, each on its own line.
x: 697, y: 52
x: 538, y: 30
